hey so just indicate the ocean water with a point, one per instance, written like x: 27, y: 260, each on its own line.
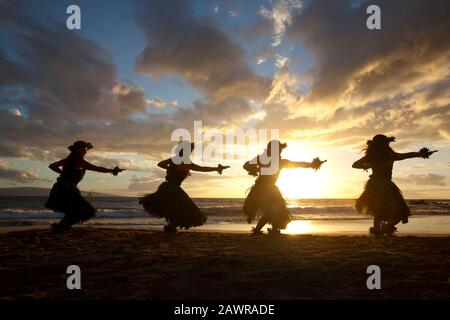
x: 121, y: 211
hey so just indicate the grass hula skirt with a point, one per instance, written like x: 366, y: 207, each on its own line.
x: 268, y: 199
x: 65, y: 197
x: 171, y: 202
x: 382, y: 199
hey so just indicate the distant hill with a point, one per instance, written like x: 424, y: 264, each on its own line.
x: 41, y: 192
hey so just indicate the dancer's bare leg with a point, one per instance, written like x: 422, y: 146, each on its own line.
x: 377, y: 224
x: 261, y: 223
x: 64, y: 224
x: 389, y: 227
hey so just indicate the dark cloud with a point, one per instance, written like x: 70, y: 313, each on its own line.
x: 17, y: 176
x: 144, y: 184
x: 439, y: 89
x: 59, y: 71
x: 127, y: 164
x: 197, y: 50
x: 66, y: 89
x: 225, y: 112
x: 11, y: 71
x: 363, y: 82
x: 424, y: 179
x: 347, y: 53
x: 8, y: 149
x: 130, y: 98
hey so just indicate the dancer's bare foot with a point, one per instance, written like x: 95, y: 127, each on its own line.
x: 256, y: 232
x: 375, y: 231
x: 388, y: 229
x: 274, y: 231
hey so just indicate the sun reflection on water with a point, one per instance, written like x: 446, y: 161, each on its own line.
x: 298, y: 227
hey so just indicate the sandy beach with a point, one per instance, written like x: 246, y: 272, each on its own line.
x: 143, y: 264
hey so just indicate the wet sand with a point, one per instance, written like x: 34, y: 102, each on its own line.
x: 417, y: 226
x: 143, y: 264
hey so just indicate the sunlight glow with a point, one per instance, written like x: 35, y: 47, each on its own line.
x: 300, y: 183
x: 298, y: 227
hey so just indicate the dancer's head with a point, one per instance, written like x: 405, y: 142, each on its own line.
x: 183, y: 152
x: 275, y: 146
x: 378, y: 148
x: 79, y: 148
x: 269, y: 160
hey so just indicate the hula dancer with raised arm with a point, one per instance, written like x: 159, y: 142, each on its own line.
x: 265, y: 199
x: 170, y: 201
x: 381, y: 197
x: 65, y: 196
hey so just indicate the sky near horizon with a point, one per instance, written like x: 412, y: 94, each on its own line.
x: 138, y: 70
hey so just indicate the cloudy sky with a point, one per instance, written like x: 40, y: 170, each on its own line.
x: 137, y: 70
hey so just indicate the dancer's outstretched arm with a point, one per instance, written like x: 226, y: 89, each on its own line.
x: 423, y: 153
x: 407, y: 155
x: 88, y: 166
x: 196, y: 167
x: 315, y: 164
x: 362, y: 163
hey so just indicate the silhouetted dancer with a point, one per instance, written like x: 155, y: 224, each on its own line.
x: 65, y: 196
x: 170, y: 201
x: 264, y: 195
x: 381, y: 197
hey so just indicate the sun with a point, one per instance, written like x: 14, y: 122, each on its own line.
x: 300, y: 183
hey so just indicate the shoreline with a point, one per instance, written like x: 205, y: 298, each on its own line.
x: 5, y: 230
x: 436, y: 226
